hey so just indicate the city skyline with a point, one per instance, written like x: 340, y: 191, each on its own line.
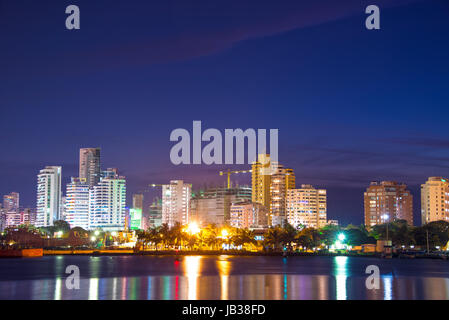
x: 273, y: 187
x: 352, y: 106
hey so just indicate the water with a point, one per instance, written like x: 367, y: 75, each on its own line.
x: 222, y: 277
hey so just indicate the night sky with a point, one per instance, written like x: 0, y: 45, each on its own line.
x: 351, y: 105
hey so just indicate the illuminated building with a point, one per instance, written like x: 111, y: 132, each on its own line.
x: 270, y: 182
x: 19, y: 217
x: 77, y: 203
x: 307, y: 207
x: 282, y: 180
x: 387, y: 201
x: 248, y: 215
x: 176, y: 202
x: 137, y: 219
x: 48, y: 196
x: 261, y: 180
x: 435, y: 200
x: 89, y: 166
x: 107, y: 201
x: 212, y: 206
x: 135, y: 215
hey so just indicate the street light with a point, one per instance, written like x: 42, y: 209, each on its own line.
x: 341, y: 237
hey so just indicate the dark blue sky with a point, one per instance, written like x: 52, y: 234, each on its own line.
x: 351, y: 105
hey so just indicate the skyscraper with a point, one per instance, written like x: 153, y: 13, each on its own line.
x: 107, y: 202
x: 155, y: 214
x: 270, y: 182
x: 435, y: 200
x: 176, y: 202
x: 387, y: 201
x: 77, y: 203
x: 89, y: 165
x: 261, y: 180
x: 307, y: 206
x: 282, y: 180
x: 48, y: 196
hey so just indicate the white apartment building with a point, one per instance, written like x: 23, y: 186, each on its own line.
x: 176, y: 202
x: 435, y: 200
x: 107, y: 201
x: 77, y: 203
x: 48, y: 196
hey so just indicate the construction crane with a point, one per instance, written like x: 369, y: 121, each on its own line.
x: 229, y: 172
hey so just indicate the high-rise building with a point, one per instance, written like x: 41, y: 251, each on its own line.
x: 307, y: 207
x: 138, y: 201
x: 249, y: 215
x: 89, y: 166
x: 107, y: 203
x: 387, y: 201
x: 435, y: 200
x: 2, y: 218
x: 261, y: 180
x: 213, y: 205
x: 155, y: 214
x: 77, y: 203
x: 11, y: 202
x: 282, y: 179
x: 176, y: 202
x: 48, y: 196
x: 270, y: 182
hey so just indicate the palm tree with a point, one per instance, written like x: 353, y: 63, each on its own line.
x: 273, y: 237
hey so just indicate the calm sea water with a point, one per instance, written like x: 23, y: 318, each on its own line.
x: 222, y: 277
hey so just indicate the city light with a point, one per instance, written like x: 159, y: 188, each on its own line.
x: 93, y: 239
x: 341, y: 237
x: 192, y: 228
x: 224, y: 233
x: 97, y: 232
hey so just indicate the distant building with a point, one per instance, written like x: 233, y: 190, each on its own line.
x: 387, y: 201
x: 17, y: 218
x: 48, y: 208
x: 332, y: 223
x: 107, y: 202
x: 89, y: 166
x: 11, y: 202
x: 77, y: 203
x: 136, y: 213
x: 249, y: 215
x: 212, y: 206
x: 176, y: 202
x: 307, y: 207
x: 155, y: 214
x: 435, y: 200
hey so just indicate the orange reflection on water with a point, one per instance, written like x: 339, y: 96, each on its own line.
x: 192, y: 270
x: 224, y: 269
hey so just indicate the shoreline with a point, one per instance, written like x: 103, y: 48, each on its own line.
x: 99, y: 253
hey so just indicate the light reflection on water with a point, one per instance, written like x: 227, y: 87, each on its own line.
x: 190, y: 281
